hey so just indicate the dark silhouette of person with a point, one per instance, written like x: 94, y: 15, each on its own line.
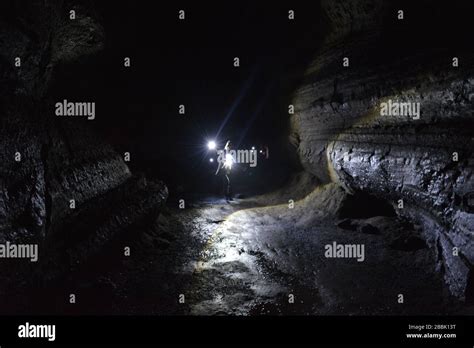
x: 226, y: 161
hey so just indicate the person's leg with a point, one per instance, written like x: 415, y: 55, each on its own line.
x: 227, y: 189
x: 224, y: 185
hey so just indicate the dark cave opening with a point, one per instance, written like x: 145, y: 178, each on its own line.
x: 364, y: 205
x: 140, y: 105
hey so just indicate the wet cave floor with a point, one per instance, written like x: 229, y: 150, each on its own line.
x: 250, y: 258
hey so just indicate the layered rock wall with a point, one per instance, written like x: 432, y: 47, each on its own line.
x: 342, y: 135
x: 48, y: 161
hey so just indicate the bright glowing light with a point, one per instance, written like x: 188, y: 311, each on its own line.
x: 229, y: 160
x: 211, y: 145
x: 253, y: 147
x: 211, y: 160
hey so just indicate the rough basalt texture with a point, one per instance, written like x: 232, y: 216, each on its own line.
x: 340, y: 135
x: 62, y: 159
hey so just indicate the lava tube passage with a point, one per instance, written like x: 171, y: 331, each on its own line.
x: 182, y: 172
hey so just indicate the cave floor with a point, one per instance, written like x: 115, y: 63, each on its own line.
x: 248, y: 258
x: 270, y: 260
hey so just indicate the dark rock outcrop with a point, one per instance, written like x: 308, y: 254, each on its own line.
x: 341, y: 136
x: 48, y: 161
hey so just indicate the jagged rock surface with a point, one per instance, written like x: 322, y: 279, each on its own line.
x: 340, y: 135
x: 61, y: 159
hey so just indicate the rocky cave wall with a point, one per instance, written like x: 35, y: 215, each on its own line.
x: 340, y: 135
x: 61, y: 158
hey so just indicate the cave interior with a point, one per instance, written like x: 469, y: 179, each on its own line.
x: 150, y: 230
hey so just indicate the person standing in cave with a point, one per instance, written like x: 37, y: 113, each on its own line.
x: 226, y: 160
